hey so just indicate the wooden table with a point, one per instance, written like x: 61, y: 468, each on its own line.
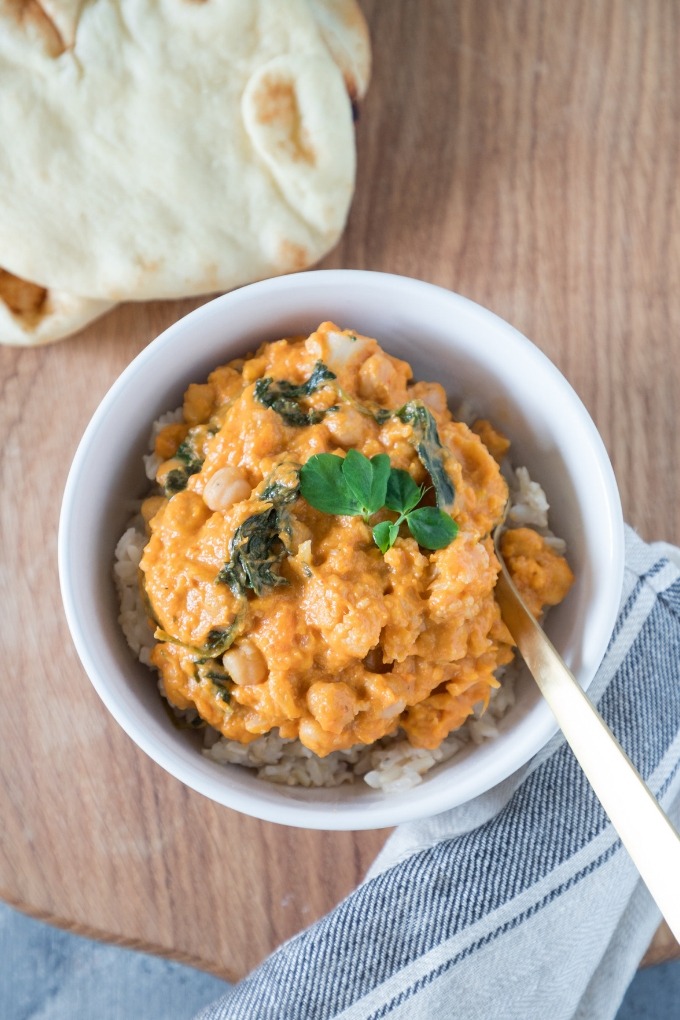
x: 525, y: 154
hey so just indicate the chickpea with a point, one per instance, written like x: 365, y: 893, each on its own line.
x: 245, y: 664
x: 226, y: 487
x: 376, y: 377
x: 344, y: 351
x: 347, y: 426
x: 333, y: 705
x: 433, y: 395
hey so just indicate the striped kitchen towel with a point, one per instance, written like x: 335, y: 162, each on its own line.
x: 522, y: 903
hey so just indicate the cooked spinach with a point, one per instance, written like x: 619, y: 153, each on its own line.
x: 429, y: 449
x: 186, y: 452
x: 285, y: 397
x: 218, y: 639
x: 366, y: 407
x: 256, y: 551
x: 281, y: 490
x: 191, y: 463
x: 219, y: 678
x: 382, y: 414
x: 259, y: 544
x: 175, y: 481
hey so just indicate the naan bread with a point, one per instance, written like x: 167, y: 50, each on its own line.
x: 164, y: 148
x: 30, y: 314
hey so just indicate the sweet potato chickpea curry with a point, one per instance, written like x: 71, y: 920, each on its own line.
x: 335, y: 627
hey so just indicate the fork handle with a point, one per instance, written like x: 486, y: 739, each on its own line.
x: 646, y: 832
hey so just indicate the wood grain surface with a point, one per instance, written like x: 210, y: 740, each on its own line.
x: 525, y: 154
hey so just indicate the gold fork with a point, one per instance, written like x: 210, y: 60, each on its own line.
x: 646, y: 832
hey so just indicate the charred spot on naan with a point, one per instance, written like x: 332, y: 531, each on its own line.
x: 293, y: 256
x: 32, y: 314
x: 52, y: 27
x: 276, y: 105
x: 25, y: 300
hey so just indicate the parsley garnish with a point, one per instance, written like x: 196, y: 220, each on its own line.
x: 351, y: 485
x: 356, y: 486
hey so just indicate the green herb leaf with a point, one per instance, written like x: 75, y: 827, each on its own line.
x: 354, y: 485
x: 402, y: 492
x: 429, y: 449
x: 346, y: 486
x: 385, y: 535
x: 219, y: 678
x: 431, y: 527
x: 257, y: 548
x: 256, y: 551
x: 283, y: 485
x: 358, y: 476
x: 284, y: 397
x: 367, y: 479
x: 176, y: 480
x: 381, y: 467
x: 324, y: 486
x: 186, y: 452
x: 319, y: 377
x: 218, y: 639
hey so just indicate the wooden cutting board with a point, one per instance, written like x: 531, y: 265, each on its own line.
x: 524, y: 154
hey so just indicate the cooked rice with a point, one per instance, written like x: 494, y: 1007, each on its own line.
x: 392, y: 764
x: 132, y: 617
x: 529, y: 507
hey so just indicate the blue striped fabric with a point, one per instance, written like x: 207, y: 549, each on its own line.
x: 535, y: 912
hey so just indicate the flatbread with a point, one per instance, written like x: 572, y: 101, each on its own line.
x: 30, y: 314
x: 164, y: 148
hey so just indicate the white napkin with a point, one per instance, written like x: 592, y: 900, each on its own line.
x: 523, y: 903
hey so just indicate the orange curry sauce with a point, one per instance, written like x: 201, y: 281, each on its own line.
x: 351, y: 644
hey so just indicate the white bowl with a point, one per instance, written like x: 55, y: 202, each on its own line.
x: 446, y: 338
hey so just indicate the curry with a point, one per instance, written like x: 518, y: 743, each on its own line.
x: 271, y: 613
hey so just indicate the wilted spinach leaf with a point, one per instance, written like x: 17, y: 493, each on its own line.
x: 429, y: 450
x: 191, y: 463
x: 285, y: 397
x: 257, y: 548
x: 256, y: 551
